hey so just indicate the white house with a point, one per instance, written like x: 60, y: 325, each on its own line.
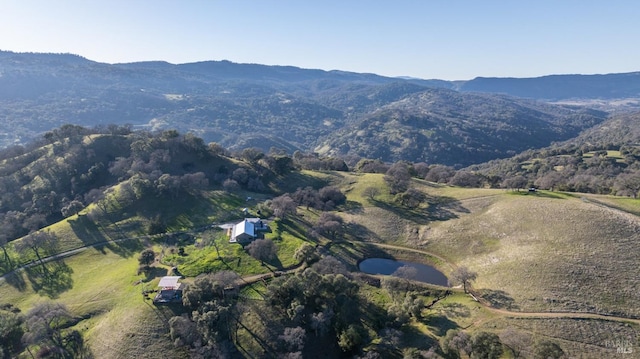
x: 247, y: 230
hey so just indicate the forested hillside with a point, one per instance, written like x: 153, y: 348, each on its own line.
x: 251, y: 105
x: 448, y: 127
x: 604, y: 159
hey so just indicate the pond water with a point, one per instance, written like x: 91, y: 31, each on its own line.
x: 423, y: 273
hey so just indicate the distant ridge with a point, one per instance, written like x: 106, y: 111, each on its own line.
x: 559, y: 87
x: 336, y: 112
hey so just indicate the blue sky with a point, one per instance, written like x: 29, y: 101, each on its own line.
x: 452, y: 40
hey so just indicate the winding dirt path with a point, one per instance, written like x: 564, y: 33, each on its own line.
x: 561, y: 315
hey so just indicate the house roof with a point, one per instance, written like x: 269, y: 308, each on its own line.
x: 245, y: 227
x: 169, y: 281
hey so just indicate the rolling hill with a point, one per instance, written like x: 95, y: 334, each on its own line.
x: 550, y: 266
x: 449, y: 127
x: 252, y: 105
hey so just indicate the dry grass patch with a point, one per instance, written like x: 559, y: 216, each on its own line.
x: 559, y: 255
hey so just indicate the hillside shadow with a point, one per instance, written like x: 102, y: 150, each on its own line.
x: 52, y: 281
x: 499, y: 299
x: 352, y: 207
x: 438, y: 209
x: 94, y: 235
x: 292, y: 181
x: 440, y: 324
x: 547, y: 194
x: 88, y: 232
x: 417, y: 215
x: 124, y: 248
x: 444, y: 208
x: 357, y: 231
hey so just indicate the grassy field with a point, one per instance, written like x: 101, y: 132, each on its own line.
x: 106, y: 294
x: 533, y: 252
x: 549, y: 252
x: 212, y: 252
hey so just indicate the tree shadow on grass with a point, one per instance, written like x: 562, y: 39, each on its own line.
x: 87, y: 231
x: 455, y: 310
x: 417, y: 215
x: 373, y: 314
x: 438, y: 209
x: 274, y: 262
x: 124, y: 248
x: 356, y: 231
x: 16, y: 280
x: 413, y: 337
x: 499, y: 299
x: 51, y: 282
x: 443, y: 208
x: 152, y: 273
x: 352, y: 207
x: 93, y: 235
x: 440, y: 324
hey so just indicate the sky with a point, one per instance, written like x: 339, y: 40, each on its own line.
x: 429, y: 39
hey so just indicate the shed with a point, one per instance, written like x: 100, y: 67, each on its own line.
x: 170, y: 291
x: 169, y: 282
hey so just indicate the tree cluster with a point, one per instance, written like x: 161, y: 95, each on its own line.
x: 324, y: 199
x: 489, y: 345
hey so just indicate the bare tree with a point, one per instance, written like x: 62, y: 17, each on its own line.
x: 262, y: 249
x: 517, y: 342
x: 3, y: 245
x: 41, y: 243
x: 411, y: 198
x: 628, y: 184
x: 293, y: 338
x: 72, y: 208
x: 283, y: 206
x: 45, y: 325
x: 398, y: 177
x: 330, y: 265
x: 371, y: 192
x: 515, y: 183
x: 329, y: 224
x: 464, y: 276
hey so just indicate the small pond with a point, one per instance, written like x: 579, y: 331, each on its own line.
x: 423, y: 273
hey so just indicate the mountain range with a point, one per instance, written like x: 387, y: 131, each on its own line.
x: 331, y: 112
